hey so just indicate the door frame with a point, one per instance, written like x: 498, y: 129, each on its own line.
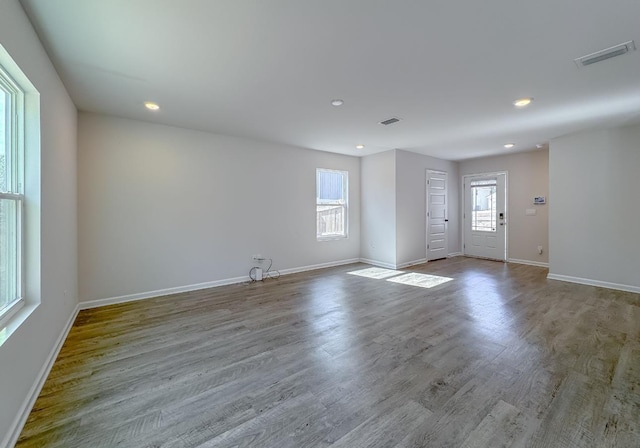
x: 506, y: 208
x: 426, y: 212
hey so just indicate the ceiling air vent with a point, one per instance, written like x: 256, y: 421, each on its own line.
x: 607, y: 53
x: 389, y: 121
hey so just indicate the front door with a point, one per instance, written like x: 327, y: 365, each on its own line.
x: 485, y: 216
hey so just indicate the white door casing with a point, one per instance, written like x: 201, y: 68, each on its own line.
x: 485, y: 216
x: 437, y: 221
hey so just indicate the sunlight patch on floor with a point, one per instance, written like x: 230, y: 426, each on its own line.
x: 377, y: 273
x: 421, y: 280
x: 402, y: 277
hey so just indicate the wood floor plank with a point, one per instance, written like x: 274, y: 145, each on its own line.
x: 504, y: 427
x: 385, y: 429
x: 619, y: 423
x: 498, y: 356
x: 574, y: 416
x: 272, y: 428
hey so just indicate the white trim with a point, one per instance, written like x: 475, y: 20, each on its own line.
x: 455, y: 254
x: 380, y: 264
x: 313, y: 267
x: 10, y: 311
x: 591, y: 282
x: 332, y: 238
x: 345, y: 205
x: 411, y: 263
x: 18, y: 315
x: 529, y: 262
x: 16, y: 428
x: 228, y: 281
x: 384, y: 264
x: 158, y: 293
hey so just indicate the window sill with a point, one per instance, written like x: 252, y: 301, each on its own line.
x: 331, y: 238
x: 13, y: 318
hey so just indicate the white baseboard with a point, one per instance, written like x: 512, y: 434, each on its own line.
x: 228, y: 281
x: 455, y: 254
x: 313, y: 267
x: 159, y: 292
x: 529, y: 262
x: 411, y: 263
x: 16, y: 428
x: 590, y: 282
x: 380, y: 264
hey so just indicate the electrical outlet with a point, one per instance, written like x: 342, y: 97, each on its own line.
x: 540, y: 249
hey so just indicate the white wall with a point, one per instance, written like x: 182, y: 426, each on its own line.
x: 411, y: 174
x: 378, y: 206
x: 595, y: 212
x: 26, y: 351
x: 163, y: 207
x: 528, y: 177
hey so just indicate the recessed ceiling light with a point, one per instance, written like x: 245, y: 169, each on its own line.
x: 337, y: 102
x: 509, y: 145
x: 522, y: 102
x: 360, y: 146
x: 151, y: 106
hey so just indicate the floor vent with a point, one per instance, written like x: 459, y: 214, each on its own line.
x: 607, y: 53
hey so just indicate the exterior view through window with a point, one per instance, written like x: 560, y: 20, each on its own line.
x: 331, y: 203
x: 11, y: 194
x: 483, y: 211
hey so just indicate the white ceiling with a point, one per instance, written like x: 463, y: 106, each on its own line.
x: 269, y: 69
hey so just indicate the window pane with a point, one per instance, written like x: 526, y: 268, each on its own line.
x: 484, y: 183
x: 9, y: 246
x: 330, y: 186
x: 331, y: 219
x: 3, y: 140
x: 483, y: 212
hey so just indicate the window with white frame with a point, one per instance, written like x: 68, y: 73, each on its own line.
x: 332, y: 191
x: 11, y: 193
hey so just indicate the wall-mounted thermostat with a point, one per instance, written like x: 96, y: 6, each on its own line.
x: 539, y: 200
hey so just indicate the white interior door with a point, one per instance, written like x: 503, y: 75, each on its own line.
x: 485, y: 216
x: 437, y: 226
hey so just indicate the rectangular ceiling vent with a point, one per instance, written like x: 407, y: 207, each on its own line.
x: 607, y: 53
x: 389, y: 121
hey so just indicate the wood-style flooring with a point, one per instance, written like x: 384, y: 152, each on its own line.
x: 498, y: 356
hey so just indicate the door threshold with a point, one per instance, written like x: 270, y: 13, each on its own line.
x: 484, y: 258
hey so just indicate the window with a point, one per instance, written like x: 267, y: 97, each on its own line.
x: 331, y: 204
x: 483, y: 213
x: 11, y: 193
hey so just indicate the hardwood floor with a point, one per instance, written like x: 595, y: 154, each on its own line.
x: 498, y: 356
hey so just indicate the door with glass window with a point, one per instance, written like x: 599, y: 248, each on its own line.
x: 485, y: 216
